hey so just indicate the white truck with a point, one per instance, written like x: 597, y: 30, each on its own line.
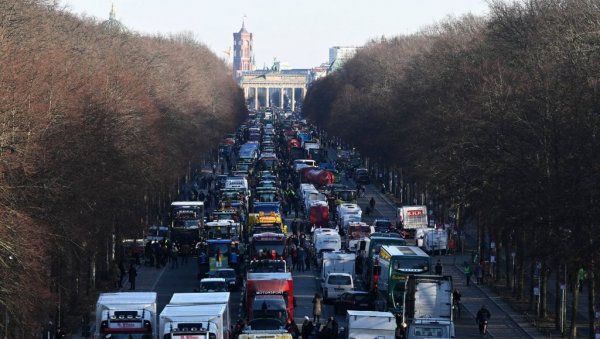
x: 338, y: 262
x: 412, y: 218
x: 126, y: 313
x: 370, y: 324
x: 434, y: 240
x: 428, y: 305
x: 192, y: 321
x: 326, y: 240
x: 215, y: 298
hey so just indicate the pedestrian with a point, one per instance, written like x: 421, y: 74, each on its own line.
x: 174, y: 256
x: 132, y: 276
x: 467, y: 270
x: 438, y: 268
x: 294, y: 258
x: 296, y: 208
x: 317, y: 308
x: 308, y: 258
x: 307, y: 328
x: 372, y: 203
x: 185, y: 252
x: 581, y: 275
x: 479, y: 273
x: 382, y: 188
x: 301, y: 259
x: 292, y: 328
x: 332, y: 328
x: 295, y: 226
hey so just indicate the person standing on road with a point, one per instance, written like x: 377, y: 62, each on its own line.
x: 301, y: 259
x: 438, y: 268
x: 317, y: 308
x: 467, y: 270
x: 132, y: 276
x: 372, y: 203
x: 307, y: 328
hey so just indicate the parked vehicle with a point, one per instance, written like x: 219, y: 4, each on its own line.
x: 397, y: 263
x: 131, y: 314
x: 335, y: 284
x: 213, y: 285
x: 370, y: 324
x: 412, y: 218
x: 435, y: 240
x: 428, y: 305
x: 193, y: 321
x: 230, y: 276
x: 215, y: 298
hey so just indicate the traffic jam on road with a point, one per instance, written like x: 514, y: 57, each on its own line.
x: 278, y: 227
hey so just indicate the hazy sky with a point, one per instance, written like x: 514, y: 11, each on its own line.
x: 299, y: 32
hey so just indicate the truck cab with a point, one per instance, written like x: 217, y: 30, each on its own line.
x: 430, y: 328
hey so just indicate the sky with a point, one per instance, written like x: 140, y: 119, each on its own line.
x: 298, y: 32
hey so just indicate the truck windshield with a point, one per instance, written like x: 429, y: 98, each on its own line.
x: 214, y: 247
x: 411, y: 265
x: 346, y: 195
x: 268, y: 246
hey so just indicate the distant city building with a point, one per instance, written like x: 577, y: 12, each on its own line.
x: 243, y: 58
x: 319, y: 72
x: 338, y: 55
x: 112, y: 24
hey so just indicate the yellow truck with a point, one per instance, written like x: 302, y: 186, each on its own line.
x: 261, y: 222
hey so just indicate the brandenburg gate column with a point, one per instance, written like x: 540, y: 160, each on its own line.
x: 255, y: 98
x: 281, y: 97
x: 268, y: 104
x: 293, y: 99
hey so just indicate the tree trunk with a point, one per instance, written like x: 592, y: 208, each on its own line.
x: 544, y: 292
x: 557, y: 300
x: 591, y: 300
x: 574, y: 306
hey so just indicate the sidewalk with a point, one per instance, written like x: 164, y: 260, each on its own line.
x: 474, y: 296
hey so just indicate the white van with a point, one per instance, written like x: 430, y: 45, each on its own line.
x: 336, y: 284
x: 301, y: 163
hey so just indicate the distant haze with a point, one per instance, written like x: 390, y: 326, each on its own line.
x: 298, y: 32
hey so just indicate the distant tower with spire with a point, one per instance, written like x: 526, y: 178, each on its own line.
x: 112, y: 24
x: 242, y: 51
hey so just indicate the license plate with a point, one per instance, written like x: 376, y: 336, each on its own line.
x: 338, y: 289
x: 363, y: 305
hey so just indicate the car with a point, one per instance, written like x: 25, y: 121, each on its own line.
x: 361, y: 176
x: 337, y: 283
x: 228, y: 274
x: 383, y: 225
x: 354, y: 300
x: 213, y: 285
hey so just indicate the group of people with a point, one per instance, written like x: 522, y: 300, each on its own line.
x: 478, y: 271
x: 118, y: 272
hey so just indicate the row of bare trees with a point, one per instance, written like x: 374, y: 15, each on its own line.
x: 499, y: 116
x: 96, y: 127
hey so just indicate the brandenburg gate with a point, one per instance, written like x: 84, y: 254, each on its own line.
x: 274, y: 89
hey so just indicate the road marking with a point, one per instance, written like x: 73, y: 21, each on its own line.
x: 158, y: 278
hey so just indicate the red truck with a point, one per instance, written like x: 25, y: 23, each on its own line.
x: 270, y: 295
x: 316, y: 176
x: 318, y: 214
